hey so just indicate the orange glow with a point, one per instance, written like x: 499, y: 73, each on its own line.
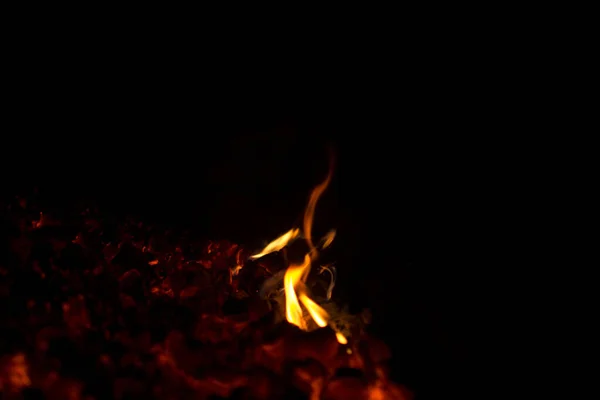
x: 18, y: 374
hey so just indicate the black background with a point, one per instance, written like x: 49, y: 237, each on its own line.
x: 423, y: 193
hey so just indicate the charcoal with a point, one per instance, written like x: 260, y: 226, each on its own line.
x: 131, y: 284
x: 320, y: 345
x: 349, y: 372
x: 257, y: 308
x: 12, y: 340
x: 73, y: 257
x: 351, y: 388
x: 97, y: 307
x: 309, y: 376
x: 270, y: 388
x: 130, y: 257
x: 42, y: 251
x: 234, y: 306
x: 377, y: 350
x: 21, y: 247
x: 346, y: 388
x: 33, y: 394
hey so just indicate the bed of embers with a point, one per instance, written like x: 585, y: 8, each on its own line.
x: 93, y: 307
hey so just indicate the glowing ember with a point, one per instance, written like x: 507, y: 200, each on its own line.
x: 296, y: 275
x: 16, y: 375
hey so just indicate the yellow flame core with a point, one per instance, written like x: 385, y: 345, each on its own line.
x: 295, y: 290
x: 292, y: 277
x: 296, y: 275
x: 316, y: 312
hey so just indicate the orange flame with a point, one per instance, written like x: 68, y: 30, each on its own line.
x: 309, y: 213
x: 341, y: 338
x: 328, y: 239
x: 278, y: 243
x: 296, y: 275
x: 292, y: 278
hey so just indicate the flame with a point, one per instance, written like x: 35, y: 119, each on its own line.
x: 328, y: 239
x: 296, y: 274
x: 316, y: 312
x: 291, y: 279
x: 309, y: 213
x: 278, y: 243
x: 295, y: 290
x: 341, y: 338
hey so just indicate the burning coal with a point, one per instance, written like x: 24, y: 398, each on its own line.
x: 95, y: 307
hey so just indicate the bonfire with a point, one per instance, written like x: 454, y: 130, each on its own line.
x: 99, y: 308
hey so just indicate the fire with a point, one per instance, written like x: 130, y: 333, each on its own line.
x: 295, y: 290
x: 309, y: 213
x: 328, y: 239
x: 296, y: 275
x: 293, y: 276
x: 278, y: 243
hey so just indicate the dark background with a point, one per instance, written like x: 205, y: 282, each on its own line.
x: 422, y: 195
